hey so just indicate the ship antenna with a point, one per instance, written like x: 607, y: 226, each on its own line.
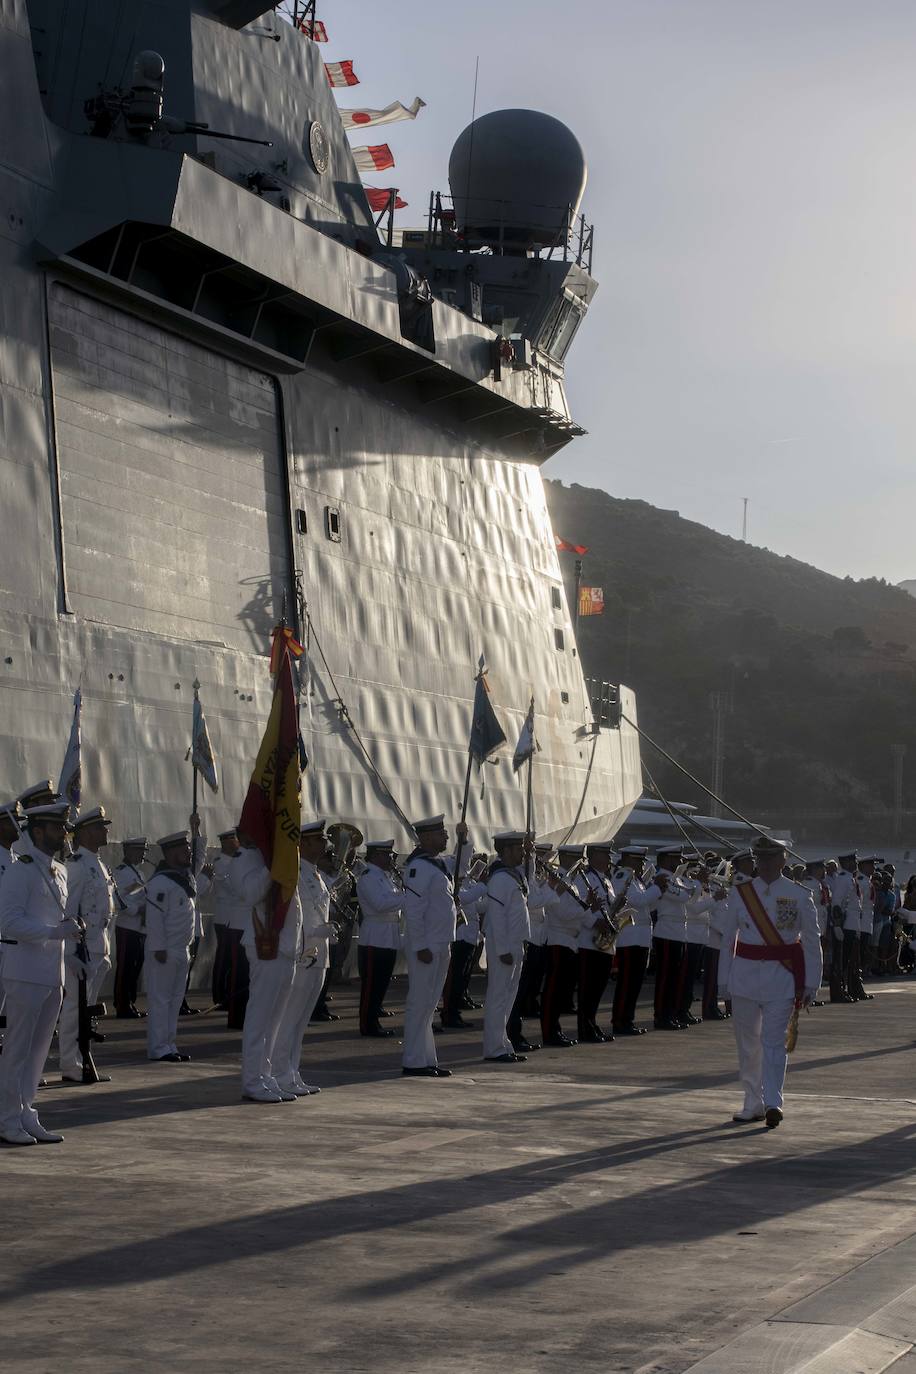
x: 467, y: 184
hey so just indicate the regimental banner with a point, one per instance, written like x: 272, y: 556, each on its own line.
x: 379, y: 199
x: 591, y: 601
x: 314, y: 29
x: 564, y: 546
x: 373, y: 159
x: 358, y: 119
x: 341, y: 74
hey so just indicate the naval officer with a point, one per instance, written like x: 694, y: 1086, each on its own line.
x: 594, y: 964
x: 172, y: 924
x: 130, y: 925
x: 846, y: 897
x: 635, y: 940
x: 380, y: 900
x: 33, y: 902
x: 310, y: 967
x: 770, y: 963
x: 506, y: 933
x: 670, y: 939
x: 430, y: 924
x: 90, y: 896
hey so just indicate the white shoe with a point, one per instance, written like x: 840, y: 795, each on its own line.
x: 43, y: 1137
x: 261, y: 1095
x: 285, y: 1094
x: 17, y: 1136
x: 290, y: 1086
x: 307, y: 1089
x: 749, y: 1114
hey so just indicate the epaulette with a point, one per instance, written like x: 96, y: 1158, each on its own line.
x: 25, y: 859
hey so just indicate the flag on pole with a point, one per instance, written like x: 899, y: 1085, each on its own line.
x: 70, y: 785
x: 527, y: 745
x: 373, y: 159
x: 486, y: 732
x: 341, y: 74
x: 591, y: 601
x: 356, y: 119
x: 564, y: 546
x: 283, y: 639
x: 313, y: 29
x: 380, y: 199
x: 271, y: 813
x: 201, y: 749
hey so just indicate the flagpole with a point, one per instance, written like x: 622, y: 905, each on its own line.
x: 459, y: 845
x: 194, y: 787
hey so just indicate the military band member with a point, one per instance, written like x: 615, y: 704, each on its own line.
x: 506, y: 932
x: 380, y: 901
x: 11, y: 821
x: 564, y: 921
x: 33, y: 901
x: 770, y: 963
x: 699, y: 915
x: 430, y: 924
x: 220, y: 973
x: 541, y: 896
x: 466, y: 946
x: 670, y: 938
x: 866, y: 881
x: 594, y: 965
x: 634, y: 941
x: 846, y: 899
x: 172, y: 924
x: 90, y: 896
x: 312, y: 962
x: 130, y: 926
x: 271, y: 973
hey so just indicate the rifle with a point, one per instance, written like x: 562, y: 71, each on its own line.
x: 85, y: 1014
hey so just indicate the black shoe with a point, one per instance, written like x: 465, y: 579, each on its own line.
x: 866, y: 997
x: 425, y: 1072
x: 687, y: 1018
x: 714, y: 1015
x: 385, y: 1012
x: 184, y: 1058
x: 667, y: 1023
x: 440, y: 1073
x: 97, y: 1036
x: 456, y: 1023
x: 843, y: 997
x: 629, y: 1030
x: 169, y: 1059
x: 505, y: 1059
x: 524, y: 1047
x: 468, y: 1004
x: 131, y: 1014
x: 558, y: 1042
x: 376, y: 1033
x: 325, y: 1015
x: 185, y: 1010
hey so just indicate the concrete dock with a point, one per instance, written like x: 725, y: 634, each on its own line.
x: 593, y: 1209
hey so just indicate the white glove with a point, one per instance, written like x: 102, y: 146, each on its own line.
x: 75, y: 966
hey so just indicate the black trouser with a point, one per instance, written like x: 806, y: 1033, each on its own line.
x: 690, y: 971
x: 837, y: 964
x: 457, y: 979
x: 866, y: 953
x: 851, y: 960
x: 562, y: 971
x: 219, y: 986
x: 669, y: 955
x: 632, y: 962
x: 711, y: 982
x: 237, y: 991
x: 593, y: 973
x: 527, y: 1001
x: 321, y: 1005
x: 129, y: 946
x: 375, y: 969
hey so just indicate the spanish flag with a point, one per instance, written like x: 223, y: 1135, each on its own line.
x: 271, y: 814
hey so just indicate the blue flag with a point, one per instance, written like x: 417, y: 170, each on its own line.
x: 486, y: 732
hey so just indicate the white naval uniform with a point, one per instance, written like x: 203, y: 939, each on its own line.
x: 90, y: 895
x: 641, y: 902
x: 592, y: 881
x: 697, y: 913
x: 671, y: 921
x: 33, y: 974
x: 271, y: 979
x: 845, y: 892
x: 429, y: 923
x: 867, y: 904
x: 471, y: 900
x: 380, y: 901
x: 762, y: 993
x: 7, y: 857
x: 541, y: 898
x: 564, y: 918
x: 821, y: 907
x: 229, y: 906
x: 312, y: 963
x: 172, y: 923
x: 131, y: 912
x: 506, y: 931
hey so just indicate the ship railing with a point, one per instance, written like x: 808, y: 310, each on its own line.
x: 574, y: 240
x: 604, y: 699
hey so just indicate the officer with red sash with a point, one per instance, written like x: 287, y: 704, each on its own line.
x: 770, y: 963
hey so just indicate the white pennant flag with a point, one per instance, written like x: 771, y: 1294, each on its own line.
x: 360, y: 119
x: 201, y: 750
x: 374, y: 158
x: 527, y: 745
x: 70, y: 785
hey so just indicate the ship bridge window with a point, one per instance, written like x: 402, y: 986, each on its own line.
x: 332, y: 523
x: 556, y: 600
x: 559, y: 639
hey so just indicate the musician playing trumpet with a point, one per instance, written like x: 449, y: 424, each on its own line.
x: 506, y: 933
x: 635, y: 940
x: 381, y: 896
x: 564, y: 920
x: 594, y: 966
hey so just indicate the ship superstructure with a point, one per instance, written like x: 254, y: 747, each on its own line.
x: 223, y: 397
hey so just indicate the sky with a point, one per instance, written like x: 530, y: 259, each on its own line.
x: 752, y: 182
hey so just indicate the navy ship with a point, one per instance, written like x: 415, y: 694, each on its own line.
x: 226, y: 396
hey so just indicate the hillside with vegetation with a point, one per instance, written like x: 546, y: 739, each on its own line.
x: 813, y: 676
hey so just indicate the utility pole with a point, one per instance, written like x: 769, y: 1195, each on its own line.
x: 717, y: 701
x: 744, y: 521
x: 578, y: 576
x: 899, y: 752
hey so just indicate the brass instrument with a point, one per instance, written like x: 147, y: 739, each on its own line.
x: 614, y: 916
x: 792, y: 1030
x: 344, y: 839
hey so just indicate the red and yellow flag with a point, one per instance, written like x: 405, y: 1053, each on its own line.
x: 283, y: 638
x: 271, y: 814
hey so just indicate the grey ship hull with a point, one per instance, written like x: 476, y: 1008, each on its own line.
x: 170, y: 483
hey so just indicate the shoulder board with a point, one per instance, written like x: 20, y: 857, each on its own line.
x: 25, y: 859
